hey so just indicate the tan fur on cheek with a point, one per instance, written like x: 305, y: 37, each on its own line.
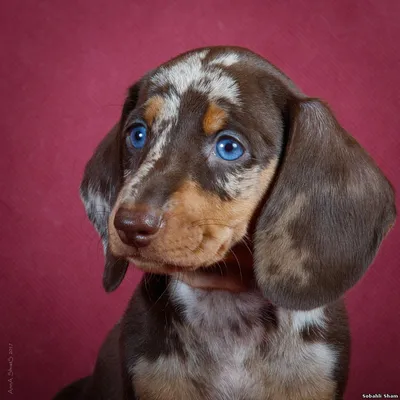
x: 201, y: 217
x: 214, y: 119
x: 153, y: 108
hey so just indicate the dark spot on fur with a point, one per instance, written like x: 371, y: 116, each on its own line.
x: 269, y: 317
x: 263, y: 347
x: 248, y: 322
x: 234, y: 327
x: 273, y: 269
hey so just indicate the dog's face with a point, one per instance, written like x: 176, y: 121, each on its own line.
x: 197, y: 157
x: 215, y: 138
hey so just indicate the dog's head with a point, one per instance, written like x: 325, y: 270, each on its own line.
x: 216, y: 138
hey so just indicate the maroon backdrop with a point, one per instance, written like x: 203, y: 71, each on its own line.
x: 64, y: 69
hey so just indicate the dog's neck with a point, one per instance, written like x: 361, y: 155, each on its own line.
x: 234, y: 273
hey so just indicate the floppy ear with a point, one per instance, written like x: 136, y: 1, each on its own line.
x: 326, y: 215
x: 99, y: 189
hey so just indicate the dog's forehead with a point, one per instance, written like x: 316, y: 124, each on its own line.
x: 233, y: 77
x: 204, y: 71
x: 192, y: 98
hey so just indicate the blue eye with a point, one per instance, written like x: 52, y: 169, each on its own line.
x: 229, y: 149
x: 138, y: 136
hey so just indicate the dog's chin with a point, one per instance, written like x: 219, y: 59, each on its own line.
x: 224, y: 274
x: 162, y: 267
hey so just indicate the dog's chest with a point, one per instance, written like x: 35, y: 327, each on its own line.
x: 237, y: 347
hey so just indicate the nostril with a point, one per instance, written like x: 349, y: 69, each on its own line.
x: 137, y: 227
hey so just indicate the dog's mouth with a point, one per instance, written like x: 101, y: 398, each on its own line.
x: 160, y: 266
x: 167, y: 255
x: 157, y: 266
x: 202, y: 255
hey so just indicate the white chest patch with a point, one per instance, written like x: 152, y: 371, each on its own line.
x: 230, y: 327
x: 215, y: 310
x: 245, y: 359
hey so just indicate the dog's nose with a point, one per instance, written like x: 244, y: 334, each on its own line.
x: 137, y: 227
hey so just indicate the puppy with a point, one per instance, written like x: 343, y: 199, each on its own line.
x: 251, y: 211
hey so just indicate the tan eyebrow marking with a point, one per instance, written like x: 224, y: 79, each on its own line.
x: 153, y: 108
x: 214, y: 119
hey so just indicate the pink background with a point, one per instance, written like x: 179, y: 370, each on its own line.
x: 65, y: 66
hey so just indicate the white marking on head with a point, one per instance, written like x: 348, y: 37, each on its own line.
x: 191, y: 72
x: 226, y: 59
x: 182, y: 74
x: 217, y: 84
x: 170, y: 109
x: 154, y: 155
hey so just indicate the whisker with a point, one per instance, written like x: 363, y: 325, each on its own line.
x: 245, y: 243
x: 159, y: 297
x: 146, y: 284
x: 212, y: 224
x: 168, y: 298
x: 220, y: 269
x: 238, y: 263
x: 225, y: 264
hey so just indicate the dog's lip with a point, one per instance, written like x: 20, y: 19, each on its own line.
x: 167, y: 268
x: 156, y: 265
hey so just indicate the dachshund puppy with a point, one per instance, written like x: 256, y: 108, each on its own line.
x: 251, y: 212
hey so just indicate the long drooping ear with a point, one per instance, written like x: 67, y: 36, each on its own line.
x: 326, y: 215
x: 99, y: 189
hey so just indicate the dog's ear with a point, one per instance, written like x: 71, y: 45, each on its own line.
x: 325, y: 216
x: 99, y: 189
